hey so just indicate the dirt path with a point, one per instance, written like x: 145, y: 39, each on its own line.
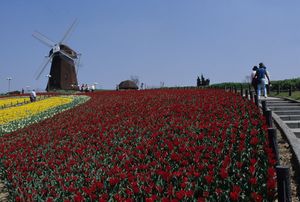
x: 3, y: 192
x: 287, y: 158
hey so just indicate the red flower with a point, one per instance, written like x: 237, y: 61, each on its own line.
x: 254, y: 141
x: 256, y: 197
x: 209, y: 179
x: 223, y: 173
x: 252, y: 170
x: 78, y: 198
x: 271, y: 172
x: 235, y: 193
x: 239, y: 164
x: 219, y: 191
x: 165, y: 200
x: 152, y: 198
x: 180, y: 194
x: 234, y: 196
x: 49, y: 200
x: 271, y: 184
x: 201, y: 200
x: 205, y: 194
x: 253, y: 180
x: 253, y: 161
x: 113, y: 181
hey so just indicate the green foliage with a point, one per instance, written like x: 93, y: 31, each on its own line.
x: 231, y: 85
x: 286, y: 84
x: 65, y: 92
x: 282, y: 84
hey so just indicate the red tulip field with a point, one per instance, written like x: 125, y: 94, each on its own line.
x: 147, y: 145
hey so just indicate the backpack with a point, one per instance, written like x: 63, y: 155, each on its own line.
x: 261, y: 72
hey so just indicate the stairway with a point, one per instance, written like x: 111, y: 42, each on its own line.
x: 286, y: 114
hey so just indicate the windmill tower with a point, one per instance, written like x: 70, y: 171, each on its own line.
x: 63, y: 74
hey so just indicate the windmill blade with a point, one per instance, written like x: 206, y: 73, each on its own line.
x: 66, y: 54
x: 43, y: 67
x: 77, y: 63
x: 42, y: 38
x: 68, y: 31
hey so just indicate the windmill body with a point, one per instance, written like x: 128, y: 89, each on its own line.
x: 63, y: 71
x: 63, y: 60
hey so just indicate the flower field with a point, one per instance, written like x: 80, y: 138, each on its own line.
x: 152, y: 145
x: 16, y: 117
x: 14, y: 113
x: 12, y: 101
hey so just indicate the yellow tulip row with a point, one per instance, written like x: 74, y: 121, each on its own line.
x: 19, y: 112
x: 13, y: 101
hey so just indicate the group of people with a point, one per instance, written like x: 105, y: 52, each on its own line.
x: 86, y: 88
x: 260, y: 80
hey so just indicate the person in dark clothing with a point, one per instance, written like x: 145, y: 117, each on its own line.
x: 253, y: 78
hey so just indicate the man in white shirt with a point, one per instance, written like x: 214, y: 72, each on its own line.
x: 33, y: 96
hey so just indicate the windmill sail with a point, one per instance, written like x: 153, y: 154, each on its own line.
x: 42, y: 38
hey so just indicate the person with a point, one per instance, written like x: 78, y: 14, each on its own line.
x: 86, y: 88
x: 267, y: 80
x: 93, y: 88
x: 33, y: 96
x: 22, y: 90
x: 261, y: 76
x: 253, y: 79
x: 82, y: 86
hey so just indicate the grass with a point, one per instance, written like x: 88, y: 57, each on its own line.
x: 295, y: 94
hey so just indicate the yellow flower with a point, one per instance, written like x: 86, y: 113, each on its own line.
x: 13, y: 101
x: 23, y: 111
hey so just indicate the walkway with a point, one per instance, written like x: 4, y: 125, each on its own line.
x: 286, y: 114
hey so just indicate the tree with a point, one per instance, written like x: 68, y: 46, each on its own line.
x: 207, y: 81
x: 198, y: 82
x: 202, y: 81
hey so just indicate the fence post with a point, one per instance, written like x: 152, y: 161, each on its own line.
x: 235, y: 90
x: 249, y: 88
x: 290, y: 90
x: 242, y: 93
x: 272, y: 136
x: 283, y: 184
x: 264, y: 106
x: 246, y: 94
x: 251, y: 96
x: 268, y: 116
x: 256, y: 100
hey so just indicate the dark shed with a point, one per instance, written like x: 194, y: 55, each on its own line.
x: 128, y: 85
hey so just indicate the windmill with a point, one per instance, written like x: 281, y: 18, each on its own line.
x: 63, y: 73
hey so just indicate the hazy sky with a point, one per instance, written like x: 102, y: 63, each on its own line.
x: 170, y: 41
